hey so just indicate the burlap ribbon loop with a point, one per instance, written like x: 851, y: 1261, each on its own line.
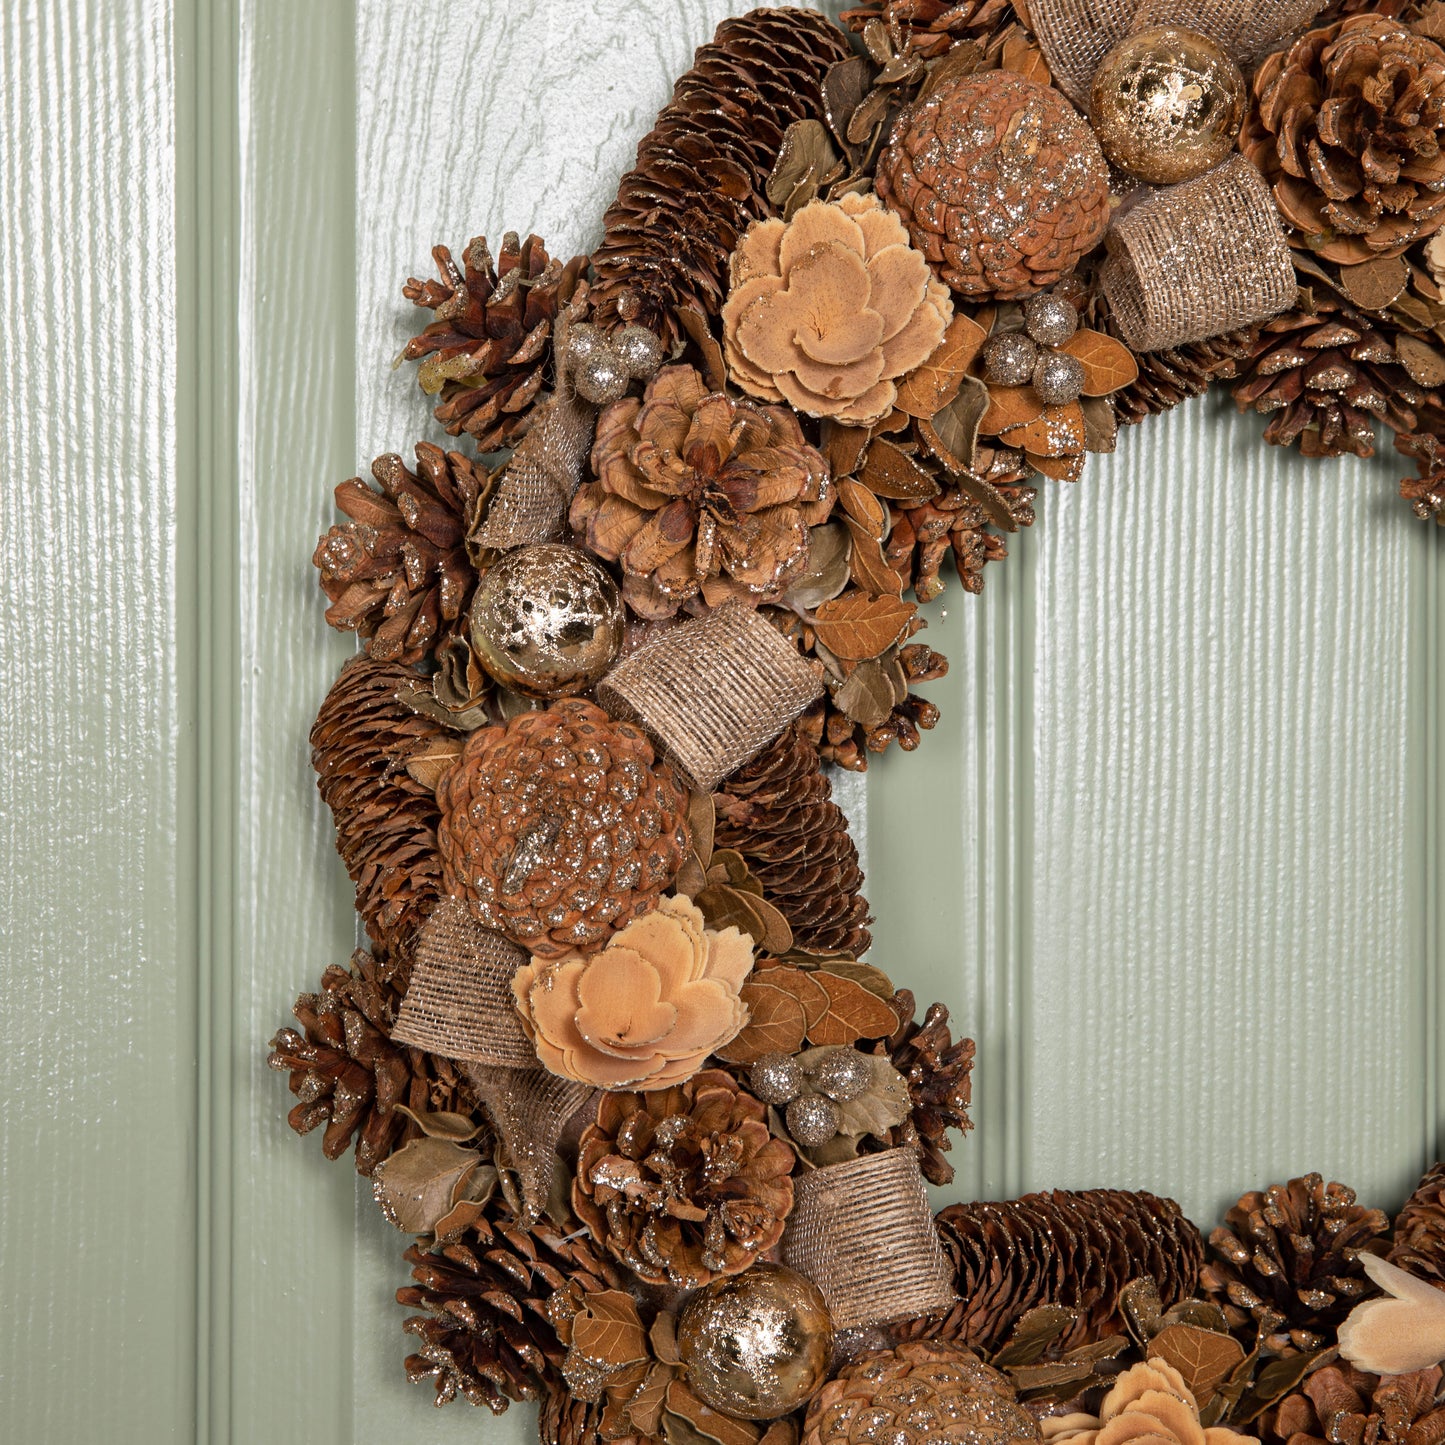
x: 863, y: 1232
x: 712, y: 692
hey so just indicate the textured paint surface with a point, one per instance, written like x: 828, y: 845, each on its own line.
x: 1168, y: 856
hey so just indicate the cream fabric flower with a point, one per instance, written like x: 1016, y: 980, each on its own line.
x: 644, y: 1012
x: 1149, y: 1405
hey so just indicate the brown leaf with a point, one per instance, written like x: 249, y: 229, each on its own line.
x: 951, y: 434
x: 442, y: 1123
x: 873, y: 979
x: 1010, y: 406
x: 891, y: 472
x: 1101, y: 426
x: 707, y: 1421
x: 1431, y: 21
x: 862, y: 506
x: 924, y: 392
x: 776, y: 1022
x: 1108, y: 364
x: 428, y: 765
x: 781, y: 1432
x: 858, y: 626
x: 1205, y: 1359
x: 869, y: 567
x: 725, y: 907
x: 645, y: 1406
x: 994, y: 503
x: 418, y: 1185
x: 1425, y: 363
x: 663, y: 1338
x: 843, y: 446
x: 866, y: 695
x: 845, y: 83
x: 964, y: 57
x: 806, y: 156
x: 1059, y: 432
x: 608, y: 1328
x: 692, y: 321
x: 1373, y: 285
x: 1021, y: 55
x: 691, y: 878
x: 853, y: 1013
x: 701, y: 821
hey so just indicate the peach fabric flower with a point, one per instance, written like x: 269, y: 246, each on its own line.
x: 827, y: 311
x: 1149, y: 1405
x: 644, y: 1012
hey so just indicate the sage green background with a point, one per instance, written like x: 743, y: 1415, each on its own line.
x: 1171, y: 856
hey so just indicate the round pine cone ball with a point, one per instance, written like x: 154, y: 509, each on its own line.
x: 560, y: 827
x: 916, y: 1393
x: 1000, y: 182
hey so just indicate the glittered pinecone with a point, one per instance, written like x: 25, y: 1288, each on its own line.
x: 779, y: 813
x: 398, y: 573
x: 487, y: 353
x: 559, y: 827
x: 1418, y: 1243
x: 1285, y: 1263
x: 486, y: 1335
x: 926, y: 28
x: 386, y: 820
x: 563, y: 1419
x: 684, y: 1184
x: 702, y: 171
x: 1347, y: 125
x: 1328, y: 373
x: 1425, y: 491
x: 346, y: 1072
x: 917, y: 1393
x: 1073, y: 1249
x: 702, y: 496
x: 1340, y: 1405
x: 978, y: 153
x: 940, y: 1084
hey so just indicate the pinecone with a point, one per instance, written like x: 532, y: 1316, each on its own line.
x: 385, y: 820
x: 1347, y: 126
x: 1328, y: 373
x: 940, y: 1085
x: 976, y: 154
x: 486, y: 1334
x: 1426, y: 490
x: 348, y: 1074
x: 398, y: 573
x: 1419, y: 1239
x: 1286, y: 1260
x: 926, y: 28
x: 684, y: 1184
x: 488, y: 349
x: 1341, y: 1405
x: 1074, y: 1249
x: 779, y: 813
x: 702, y: 171
x: 519, y: 833
x: 915, y: 1394
x: 563, y: 1419
x: 698, y: 495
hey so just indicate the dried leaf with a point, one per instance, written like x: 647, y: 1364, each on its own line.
x: 776, y: 1022
x: 442, y: 1124
x: 663, y: 1338
x: 1205, y: 1359
x: 853, y: 1013
x: 858, y: 626
x: 1010, y: 406
x: 1373, y: 285
x: 702, y: 822
x: 706, y: 1421
x: 890, y: 472
x: 1036, y: 1330
x: 1062, y: 1378
x: 692, y: 321
x: 431, y: 763
x: 806, y: 156
x: 725, y: 907
x: 964, y: 57
x: 607, y: 1328
x: 1059, y: 432
x: 645, y: 1406
x: 1101, y: 426
x: 845, y: 83
x: 1108, y: 364
x: 868, y: 566
x: 1275, y: 1381
x: 951, y: 434
x: 1431, y: 21
x: 827, y: 573
x: 863, y: 507
x: 873, y: 979
x: 1021, y: 55
x: 866, y: 695
x: 994, y: 503
x: 1425, y: 363
x: 691, y: 878
x: 926, y: 391
x: 781, y: 1432
x: 843, y: 446
x: 1142, y: 1309
x: 418, y: 1185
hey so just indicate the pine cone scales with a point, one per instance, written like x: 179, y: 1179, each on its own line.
x: 778, y: 812
x: 1286, y: 1260
x: 702, y: 171
x: 487, y: 351
x: 386, y: 821
x: 929, y: 27
x: 398, y: 573
x: 1345, y: 1406
x: 1418, y: 1243
x: 1073, y: 1249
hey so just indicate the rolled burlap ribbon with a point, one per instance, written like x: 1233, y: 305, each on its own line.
x: 863, y: 1232
x: 1198, y: 259
x: 713, y: 692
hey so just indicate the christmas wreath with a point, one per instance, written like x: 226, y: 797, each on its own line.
x: 614, y: 1056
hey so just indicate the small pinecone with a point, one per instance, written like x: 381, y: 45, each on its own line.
x: 1286, y: 1260
x: 915, y: 1394
x: 779, y: 813
x: 1425, y: 491
x: 702, y: 171
x: 928, y: 27
x: 940, y: 1084
x: 386, y: 821
x: 1341, y: 1405
x: 981, y: 151
x: 348, y: 1074
x: 398, y: 573
x: 1419, y: 1239
x: 563, y: 1419
x: 519, y: 827
x: 1328, y: 374
x: 684, y: 1184
x: 488, y: 349
x: 486, y: 1335
x: 1073, y: 1249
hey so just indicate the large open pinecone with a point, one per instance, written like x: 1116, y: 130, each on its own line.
x: 486, y: 1335
x: 348, y: 1075
x: 778, y: 812
x: 398, y: 573
x: 702, y: 171
x: 1341, y: 1405
x: 386, y: 820
x: 939, y: 1073
x: 1074, y: 1249
x: 488, y: 350
x: 1285, y: 1262
x: 1347, y: 125
x: 1418, y: 1243
x: 560, y: 827
x: 684, y: 1184
x: 927, y: 28
x: 1328, y: 374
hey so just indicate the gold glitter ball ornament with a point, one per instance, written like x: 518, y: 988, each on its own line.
x: 756, y: 1345
x: 546, y: 621
x: 1167, y: 105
